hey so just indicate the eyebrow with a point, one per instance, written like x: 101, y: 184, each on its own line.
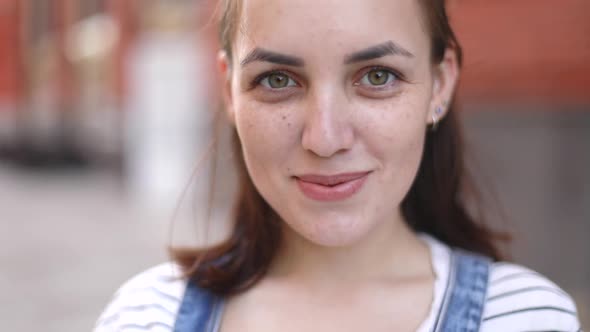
x: 260, y: 54
x: 377, y: 51
x: 370, y: 53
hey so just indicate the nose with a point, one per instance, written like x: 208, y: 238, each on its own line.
x: 328, y: 129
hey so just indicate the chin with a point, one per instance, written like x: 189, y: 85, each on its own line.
x: 330, y: 231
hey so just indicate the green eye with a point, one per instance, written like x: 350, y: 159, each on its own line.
x: 277, y: 81
x: 378, y: 77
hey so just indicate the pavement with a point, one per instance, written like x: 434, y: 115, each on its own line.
x: 69, y: 239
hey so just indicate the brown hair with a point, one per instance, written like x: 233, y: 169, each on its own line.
x: 435, y: 203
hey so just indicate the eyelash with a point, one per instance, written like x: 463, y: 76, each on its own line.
x: 257, y: 81
x: 396, y: 76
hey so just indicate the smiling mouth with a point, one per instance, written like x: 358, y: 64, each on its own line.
x: 331, y: 187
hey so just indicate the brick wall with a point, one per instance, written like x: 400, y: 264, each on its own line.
x: 9, y: 55
x: 531, y: 50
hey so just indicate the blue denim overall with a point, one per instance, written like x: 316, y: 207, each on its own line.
x: 461, y: 309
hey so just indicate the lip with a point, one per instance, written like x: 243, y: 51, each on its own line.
x: 329, y: 188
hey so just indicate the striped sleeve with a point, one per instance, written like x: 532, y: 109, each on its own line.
x: 147, y: 302
x: 520, y: 299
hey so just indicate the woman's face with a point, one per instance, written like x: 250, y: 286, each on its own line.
x: 331, y: 100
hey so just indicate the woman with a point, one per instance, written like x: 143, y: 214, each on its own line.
x: 350, y: 215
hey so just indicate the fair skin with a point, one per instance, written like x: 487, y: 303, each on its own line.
x: 313, y: 88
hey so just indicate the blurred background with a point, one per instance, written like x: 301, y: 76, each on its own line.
x: 107, y: 106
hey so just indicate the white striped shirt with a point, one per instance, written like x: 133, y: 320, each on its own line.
x: 518, y: 299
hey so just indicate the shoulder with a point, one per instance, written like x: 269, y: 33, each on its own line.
x: 148, y: 301
x: 520, y: 299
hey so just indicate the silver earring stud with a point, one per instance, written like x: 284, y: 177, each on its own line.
x: 435, y: 117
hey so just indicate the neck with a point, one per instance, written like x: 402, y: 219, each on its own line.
x: 391, y: 251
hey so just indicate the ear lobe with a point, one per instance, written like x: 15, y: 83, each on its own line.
x: 446, y: 76
x: 224, y: 65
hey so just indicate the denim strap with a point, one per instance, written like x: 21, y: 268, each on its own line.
x: 461, y: 311
x: 200, y: 311
x: 462, y: 307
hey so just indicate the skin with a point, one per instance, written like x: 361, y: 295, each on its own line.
x: 349, y: 265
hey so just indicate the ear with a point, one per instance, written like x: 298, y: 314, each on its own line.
x: 224, y: 65
x: 446, y: 76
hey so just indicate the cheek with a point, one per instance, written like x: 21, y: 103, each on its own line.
x: 395, y: 137
x: 396, y: 129
x: 266, y: 135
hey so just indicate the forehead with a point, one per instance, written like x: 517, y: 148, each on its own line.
x: 331, y: 26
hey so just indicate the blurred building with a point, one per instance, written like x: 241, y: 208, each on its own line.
x: 524, y: 51
x: 64, y: 84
